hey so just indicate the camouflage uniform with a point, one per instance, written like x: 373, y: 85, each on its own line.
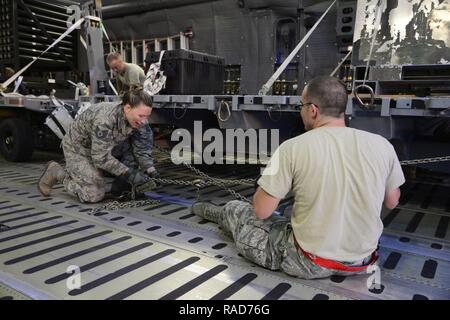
x: 87, y: 149
x: 136, y: 151
x: 125, y: 152
x: 133, y: 75
x: 270, y: 242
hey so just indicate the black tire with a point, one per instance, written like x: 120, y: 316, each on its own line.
x: 16, y: 140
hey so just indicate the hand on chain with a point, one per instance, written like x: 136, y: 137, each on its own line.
x: 153, y: 174
x: 135, y: 177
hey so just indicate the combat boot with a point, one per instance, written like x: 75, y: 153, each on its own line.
x: 53, y: 174
x: 207, y: 211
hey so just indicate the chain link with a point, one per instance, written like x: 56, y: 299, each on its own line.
x: 211, y: 181
x: 249, y: 182
x: 202, y: 183
x: 426, y: 160
x: 221, y: 183
x: 403, y: 163
x: 116, y: 205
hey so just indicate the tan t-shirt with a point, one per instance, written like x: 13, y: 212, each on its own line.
x: 338, y: 177
x: 134, y: 75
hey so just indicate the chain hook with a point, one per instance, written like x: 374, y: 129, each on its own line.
x: 372, y: 96
x: 219, y: 111
x: 183, y: 107
x: 269, y: 111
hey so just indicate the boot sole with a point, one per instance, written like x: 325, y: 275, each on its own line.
x: 40, y: 178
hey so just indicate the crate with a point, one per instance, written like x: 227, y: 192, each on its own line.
x: 189, y: 72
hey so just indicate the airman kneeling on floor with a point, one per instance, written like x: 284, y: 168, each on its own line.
x: 89, y: 143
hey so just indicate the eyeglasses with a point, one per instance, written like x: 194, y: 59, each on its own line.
x: 301, y: 105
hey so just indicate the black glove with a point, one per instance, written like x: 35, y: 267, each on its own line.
x: 135, y: 177
x: 119, y: 186
x: 154, y: 174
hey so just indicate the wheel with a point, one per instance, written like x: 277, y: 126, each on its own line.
x: 16, y: 140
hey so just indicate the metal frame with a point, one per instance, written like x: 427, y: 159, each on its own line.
x: 43, y: 31
x: 433, y: 107
x: 156, y: 42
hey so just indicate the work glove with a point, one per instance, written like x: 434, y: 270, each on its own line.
x: 135, y: 177
x: 152, y: 173
x: 145, y: 187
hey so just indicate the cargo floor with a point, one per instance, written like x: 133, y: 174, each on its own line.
x: 164, y: 252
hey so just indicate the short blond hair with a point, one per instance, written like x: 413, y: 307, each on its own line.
x: 113, y: 56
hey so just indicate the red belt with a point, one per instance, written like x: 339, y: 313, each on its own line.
x: 335, y: 265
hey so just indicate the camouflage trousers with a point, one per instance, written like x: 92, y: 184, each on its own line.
x: 270, y: 242
x: 83, y: 179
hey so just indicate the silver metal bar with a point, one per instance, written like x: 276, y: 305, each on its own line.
x: 341, y: 63
x: 266, y: 87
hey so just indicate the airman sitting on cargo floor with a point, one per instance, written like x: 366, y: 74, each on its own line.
x: 340, y: 178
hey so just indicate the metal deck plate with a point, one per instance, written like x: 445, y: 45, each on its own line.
x: 165, y: 252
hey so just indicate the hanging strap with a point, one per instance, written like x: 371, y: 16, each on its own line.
x: 266, y: 87
x: 155, y: 78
